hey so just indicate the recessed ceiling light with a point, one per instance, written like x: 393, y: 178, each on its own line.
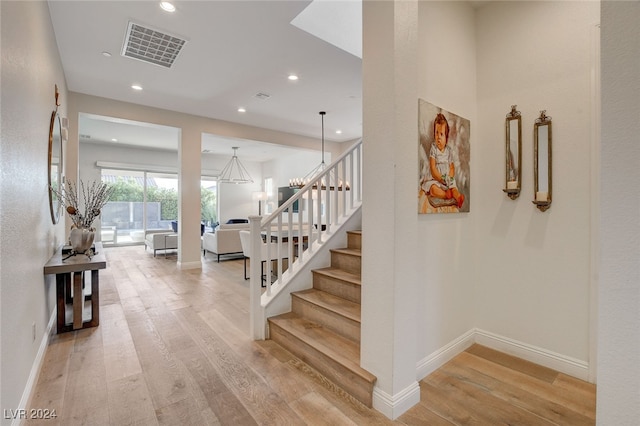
x: 106, y: 54
x: 136, y: 87
x: 293, y: 77
x: 339, y: 132
x: 167, y: 6
x: 242, y: 109
x: 114, y: 140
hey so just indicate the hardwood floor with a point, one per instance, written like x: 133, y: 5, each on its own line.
x: 173, y: 348
x: 484, y: 387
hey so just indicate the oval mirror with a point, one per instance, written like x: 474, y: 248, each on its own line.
x: 55, y: 165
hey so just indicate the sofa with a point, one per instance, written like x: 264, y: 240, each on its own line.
x: 160, y: 239
x: 174, y: 226
x: 225, y: 240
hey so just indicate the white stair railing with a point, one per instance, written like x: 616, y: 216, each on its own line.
x: 324, y: 203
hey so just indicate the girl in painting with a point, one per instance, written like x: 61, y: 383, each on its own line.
x: 440, y: 181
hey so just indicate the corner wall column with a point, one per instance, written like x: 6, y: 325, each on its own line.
x: 618, y: 373
x: 389, y: 212
x: 189, y: 176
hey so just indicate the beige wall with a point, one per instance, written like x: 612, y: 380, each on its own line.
x: 30, y: 69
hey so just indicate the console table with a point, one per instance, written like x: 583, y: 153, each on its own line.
x: 71, y: 271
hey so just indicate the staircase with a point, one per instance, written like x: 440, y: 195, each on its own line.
x: 323, y: 327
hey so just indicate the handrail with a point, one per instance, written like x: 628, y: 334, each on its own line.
x: 325, y: 202
x: 291, y: 200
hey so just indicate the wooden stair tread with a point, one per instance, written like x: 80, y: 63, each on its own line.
x: 324, y: 327
x: 348, y: 251
x: 339, y: 274
x: 338, y: 348
x: 343, y: 307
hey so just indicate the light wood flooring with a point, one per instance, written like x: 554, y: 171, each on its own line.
x: 173, y: 348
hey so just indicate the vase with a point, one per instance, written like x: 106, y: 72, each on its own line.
x: 81, y: 239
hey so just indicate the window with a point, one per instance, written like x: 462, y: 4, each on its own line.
x: 268, y: 188
x: 140, y: 201
x: 161, y: 200
x: 121, y: 219
x: 209, y: 203
x: 146, y: 200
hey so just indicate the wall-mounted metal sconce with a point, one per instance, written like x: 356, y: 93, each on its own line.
x: 513, y: 150
x: 542, y: 162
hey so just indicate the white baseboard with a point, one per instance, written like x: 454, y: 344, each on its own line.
x: 36, y: 367
x: 564, y: 364
x: 190, y: 265
x: 438, y: 358
x: 393, y: 406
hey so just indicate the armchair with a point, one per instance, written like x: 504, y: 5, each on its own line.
x: 160, y: 240
x: 225, y: 240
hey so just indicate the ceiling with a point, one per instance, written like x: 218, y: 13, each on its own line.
x: 234, y: 50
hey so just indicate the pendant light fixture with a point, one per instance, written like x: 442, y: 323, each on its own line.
x: 234, y: 171
x: 300, y: 182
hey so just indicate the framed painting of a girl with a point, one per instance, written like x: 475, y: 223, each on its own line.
x: 443, y: 155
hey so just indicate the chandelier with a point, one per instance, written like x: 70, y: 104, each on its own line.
x: 234, y: 171
x: 298, y: 183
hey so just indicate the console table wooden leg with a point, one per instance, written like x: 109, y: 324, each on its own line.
x: 78, y: 300
x: 95, y: 299
x: 67, y: 288
x: 61, y: 281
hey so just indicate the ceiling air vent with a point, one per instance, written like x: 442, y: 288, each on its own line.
x: 149, y: 45
x: 262, y: 96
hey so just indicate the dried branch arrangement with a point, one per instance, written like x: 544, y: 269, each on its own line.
x: 93, y: 196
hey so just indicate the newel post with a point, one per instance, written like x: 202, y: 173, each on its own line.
x: 256, y: 311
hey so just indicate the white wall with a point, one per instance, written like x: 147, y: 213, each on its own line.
x: 532, y: 269
x: 504, y: 268
x: 618, y: 401
x: 30, y: 68
x: 293, y: 166
x: 235, y: 201
x: 447, y: 78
